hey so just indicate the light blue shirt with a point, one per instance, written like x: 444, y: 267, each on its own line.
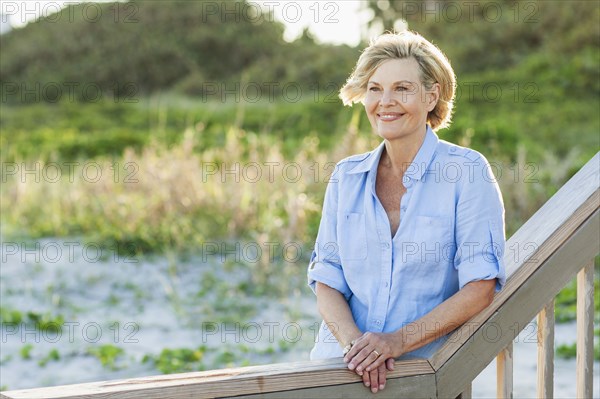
x: 451, y: 233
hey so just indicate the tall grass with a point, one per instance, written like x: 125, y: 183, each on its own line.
x: 185, y: 196
x: 178, y: 199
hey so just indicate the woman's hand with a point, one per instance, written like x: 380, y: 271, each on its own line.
x: 375, y: 379
x: 371, y: 350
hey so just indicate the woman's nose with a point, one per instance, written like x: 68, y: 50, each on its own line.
x: 387, y: 97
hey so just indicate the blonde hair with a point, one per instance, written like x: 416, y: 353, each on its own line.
x: 433, y: 64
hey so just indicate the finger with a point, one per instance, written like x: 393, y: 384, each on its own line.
x: 366, y: 377
x: 358, y: 345
x: 358, y: 357
x: 364, y: 358
x: 375, y: 360
x: 374, y: 375
x: 382, y: 371
x: 390, y: 363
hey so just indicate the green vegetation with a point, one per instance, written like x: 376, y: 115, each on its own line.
x: 144, y: 168
x: 179, y: 45
x: 565, y: 307
x: 506, y: 108
x: 25, y: 351
x: 566, y: 351
x: 108, y: 355
x: 178, y: 360
x: 52, y: 356
x: 41, y: 321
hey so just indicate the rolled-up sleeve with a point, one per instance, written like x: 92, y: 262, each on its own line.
x: 479, y: 230
x: 325, y: 265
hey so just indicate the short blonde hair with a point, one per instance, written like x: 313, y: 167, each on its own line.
x: 433, y: 64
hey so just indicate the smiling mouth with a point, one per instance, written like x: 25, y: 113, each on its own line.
x: 389, y: 117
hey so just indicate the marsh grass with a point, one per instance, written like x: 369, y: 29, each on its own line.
x: 177, y: 199
x: 250, y: 175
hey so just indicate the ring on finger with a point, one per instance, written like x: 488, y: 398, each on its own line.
x: 376, y: 353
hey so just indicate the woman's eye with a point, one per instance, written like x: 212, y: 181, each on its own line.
x: 401, y: 88
x: 374, y: 89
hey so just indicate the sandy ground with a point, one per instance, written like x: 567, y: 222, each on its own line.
x: 145, y: 306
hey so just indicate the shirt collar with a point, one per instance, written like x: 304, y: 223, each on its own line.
x: 416, y: 169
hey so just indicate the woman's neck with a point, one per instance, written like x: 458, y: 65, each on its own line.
x: 398, y: 154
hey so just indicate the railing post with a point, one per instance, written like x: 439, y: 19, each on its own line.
x: 467, y: 393
x: 504, y: 372
x: 545, y: 364
x: 585, y: 330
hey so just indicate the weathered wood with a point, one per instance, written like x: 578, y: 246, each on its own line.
x: 585, y: 330
x: 545, y: 363
x: 467, y: 393
x: 518, y: 310
x: 421, y: 386
x: 223, y: 383
x: 545, y: 242
x: 562, y: 209
x: 504, y: 372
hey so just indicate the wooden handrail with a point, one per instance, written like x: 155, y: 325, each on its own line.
x: 230, y: 382
x: 541, y: 258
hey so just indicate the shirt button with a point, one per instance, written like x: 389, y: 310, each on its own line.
x: 386, y: 245
x: 378, y: 322
x: 452, y: 149
x: 386, y: 284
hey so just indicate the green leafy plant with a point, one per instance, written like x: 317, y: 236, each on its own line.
x: 108, y: 355
x: 53, y: 355
x: 25, y: 351
x: 177, y: 360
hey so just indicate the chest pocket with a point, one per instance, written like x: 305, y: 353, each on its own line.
x: 352, y: 236
x: 432, y: 238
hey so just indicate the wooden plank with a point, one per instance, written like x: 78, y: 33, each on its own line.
x: 554, y: 214
x: 504, y: 372
x: 421, y: 386
x: 223, y: 383
x: 467, y: 393
x: 545, y: 363
x: 500, y: 329
x: 585, y: 330
x: 545, y: 245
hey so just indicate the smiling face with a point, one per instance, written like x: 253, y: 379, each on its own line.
x: 396, y: 102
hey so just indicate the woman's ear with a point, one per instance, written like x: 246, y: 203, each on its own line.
x: 433, y: 96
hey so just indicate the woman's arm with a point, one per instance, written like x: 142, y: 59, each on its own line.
x: 335, y: 311
x: 450, y: 314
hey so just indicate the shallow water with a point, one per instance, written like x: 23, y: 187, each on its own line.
x: 147, y: 305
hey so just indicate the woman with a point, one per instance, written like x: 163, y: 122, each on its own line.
x: 412, y: 233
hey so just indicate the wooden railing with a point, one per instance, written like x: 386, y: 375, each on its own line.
x: 558, y: 243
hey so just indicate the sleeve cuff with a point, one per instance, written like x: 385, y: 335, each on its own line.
x: 487, y: 264
x: 328, y: 274
x: 484, y: 270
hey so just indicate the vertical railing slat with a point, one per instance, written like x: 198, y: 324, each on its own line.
x: 467, y: 393
x: 585, y: 330
x: 545, y: 366
x: 504, y: 371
